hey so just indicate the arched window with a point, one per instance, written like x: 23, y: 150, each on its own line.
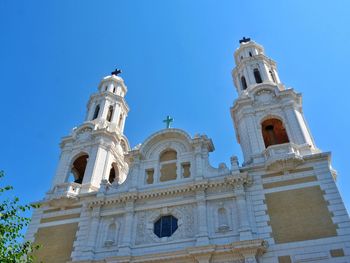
x: 274, y: 132
x: 257, y: 76
x: 97, y: 110
x: 110, y: 113
x: 78, y: 168
x: 113, y: 89
x: 113, y: 174
x: 222, y: 218
x: 250, y: 54
x: 168, y: 167
x: 244, y: 83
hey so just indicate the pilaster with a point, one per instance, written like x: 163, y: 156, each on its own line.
x: 125, y: 247
x: 202, y: 236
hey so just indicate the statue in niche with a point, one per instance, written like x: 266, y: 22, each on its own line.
x: 222, y: 220
x: 111, y: 233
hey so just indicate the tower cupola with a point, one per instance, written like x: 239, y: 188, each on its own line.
x: 108, y: 107
x: 253, y: 67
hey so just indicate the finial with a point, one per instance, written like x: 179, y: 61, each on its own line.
x: 244, y: 40
x: 116, y: 72
x: 168, y: 121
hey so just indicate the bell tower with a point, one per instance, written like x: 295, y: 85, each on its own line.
x: 94, y: 151
x: 267, y: 116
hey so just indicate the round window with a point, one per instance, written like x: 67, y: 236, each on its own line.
x: 165, y: 226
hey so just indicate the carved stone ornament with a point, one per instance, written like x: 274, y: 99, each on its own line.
x: 264, y: 96
x: 146, y: 220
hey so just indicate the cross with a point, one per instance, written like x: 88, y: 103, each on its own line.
x: 116, y: 72
x: 244, y: 40
x: 168, y: 120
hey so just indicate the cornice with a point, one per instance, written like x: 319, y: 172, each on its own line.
x: 239, y: 249
x: 120, y: 197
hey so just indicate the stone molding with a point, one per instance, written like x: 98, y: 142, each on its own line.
x: 238, y: 250
x: 233, y: 180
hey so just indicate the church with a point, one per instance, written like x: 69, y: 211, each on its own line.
x: 162, y: 201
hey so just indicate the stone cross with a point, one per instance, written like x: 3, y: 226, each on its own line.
x: 116, y: 72
x: 168, y: 121
x: 244, y: 40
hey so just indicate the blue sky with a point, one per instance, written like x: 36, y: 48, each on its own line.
x: 176, y: 58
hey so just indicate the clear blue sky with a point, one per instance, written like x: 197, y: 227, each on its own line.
x: 176, y: 58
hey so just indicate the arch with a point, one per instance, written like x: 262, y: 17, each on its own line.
x: 257, y: 76
x: 164, y: 139
x: 274, y: 132
x: 96, y: 112
x: 110, y: 113
x: 113, y: 174
x: 168, y: 167
x: 244, y: 83
x: 78, y: 168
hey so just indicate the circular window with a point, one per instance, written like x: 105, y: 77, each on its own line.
x: 165, y: 226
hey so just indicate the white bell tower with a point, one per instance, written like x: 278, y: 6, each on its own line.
x: 94, y: 152
x: 268, y: 117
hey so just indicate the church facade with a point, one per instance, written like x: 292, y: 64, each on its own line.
x: 162, y: 201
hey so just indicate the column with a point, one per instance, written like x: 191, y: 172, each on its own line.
x: 125, y: 247
x: 198, y: 160
x: 93, y: 230
x: 202, y: 236
x: 245, y: 232
x: 107, y: 165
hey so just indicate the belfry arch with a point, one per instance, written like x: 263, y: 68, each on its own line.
x: 79, y: 167
x: 113, y: 174
x: 274, y: 132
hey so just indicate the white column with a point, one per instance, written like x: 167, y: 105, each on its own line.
x: 107, y: 165
x: 62, y: 168
x: 103, y: 109
x: 202, y: 236
x: 116, y: 113
x: 292, y: 126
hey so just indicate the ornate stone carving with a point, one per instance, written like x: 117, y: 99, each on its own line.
x: 145, y: 224
x: 264, y: 97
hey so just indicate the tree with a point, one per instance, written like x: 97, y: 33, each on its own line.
x: 12, y: 223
